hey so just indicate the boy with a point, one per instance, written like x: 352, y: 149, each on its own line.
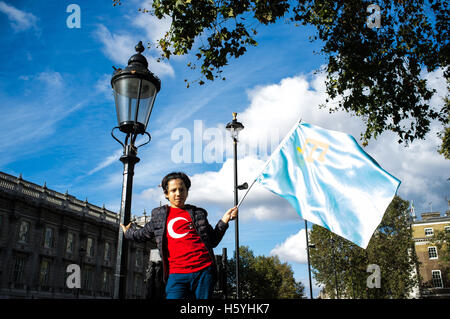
x: 185, y: 240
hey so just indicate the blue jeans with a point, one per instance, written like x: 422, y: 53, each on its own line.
x: 196, y: 285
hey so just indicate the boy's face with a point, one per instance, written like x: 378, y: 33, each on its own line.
x: 176, y: 193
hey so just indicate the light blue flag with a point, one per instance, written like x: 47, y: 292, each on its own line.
x: 330, y: 181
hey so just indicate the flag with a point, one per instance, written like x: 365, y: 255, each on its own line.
x: 330, y: 181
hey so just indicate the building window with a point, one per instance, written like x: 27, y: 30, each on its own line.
x: 44, y: 272
x: 70, y: 243
x: 432, y: 252
x: 105, y: 281
x: 107, y: 254
x: 437, y: 279
x: 24, y: 232
x: 19, y: 265
x: 49, y: 237
x: 90, y: 247
x: 428, y: 231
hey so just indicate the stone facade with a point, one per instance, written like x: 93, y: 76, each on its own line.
x: 42, y: 232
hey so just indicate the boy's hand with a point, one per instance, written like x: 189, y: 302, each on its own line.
x: 230, y: 214
x: 125, y: 228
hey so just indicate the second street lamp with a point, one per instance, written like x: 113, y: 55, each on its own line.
x: 234, y: 127
x: 135, y: 89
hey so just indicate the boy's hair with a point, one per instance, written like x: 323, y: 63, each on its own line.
x: 175, y: 175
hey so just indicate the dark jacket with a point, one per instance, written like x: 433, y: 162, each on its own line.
x: 156, y: 230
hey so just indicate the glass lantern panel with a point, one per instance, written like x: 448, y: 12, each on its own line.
x: 126, y: 92
x: 235, y: 132
x: 148, y: 95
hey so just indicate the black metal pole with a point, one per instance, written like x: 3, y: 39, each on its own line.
x: 225, y: 269
x: 236, y: 224
x: 129, y: 159
x: 309, y: 265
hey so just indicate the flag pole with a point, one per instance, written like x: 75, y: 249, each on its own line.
x: 240, y: 202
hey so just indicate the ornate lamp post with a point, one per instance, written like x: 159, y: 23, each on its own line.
x: 234, y: 127
x: 135, y: 89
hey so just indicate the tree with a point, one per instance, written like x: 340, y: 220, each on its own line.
x: 445, y: 146
x: 341, y: 267
x: 263, y: 277
x: 376, y: 72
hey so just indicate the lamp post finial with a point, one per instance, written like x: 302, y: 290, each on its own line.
x: 139, y: 47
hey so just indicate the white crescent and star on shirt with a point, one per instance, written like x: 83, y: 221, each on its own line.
x: 170, y: 230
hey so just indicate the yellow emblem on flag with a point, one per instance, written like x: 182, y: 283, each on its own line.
x: 316, y: 144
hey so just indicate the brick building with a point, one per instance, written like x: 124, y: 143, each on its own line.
x: 43, y: 231
x: 433, y: 269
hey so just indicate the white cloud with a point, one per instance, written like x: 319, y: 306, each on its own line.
x: 20, y: 20
x: 103, y: 86
x: 52, y: 79
x: 154, y: 27
x: 160, y: 69
x: 48, y: 101
x: 108, y: 161
x: 293, y: 249
x: 275, y: 108
x: 119, y: 48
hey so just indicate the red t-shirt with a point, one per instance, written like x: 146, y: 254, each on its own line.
x: 186, y: 251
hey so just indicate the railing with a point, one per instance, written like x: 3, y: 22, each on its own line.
x: 17, y: 185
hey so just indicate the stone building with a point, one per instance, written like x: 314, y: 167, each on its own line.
x: 433, y: 268
x: 42, y: 232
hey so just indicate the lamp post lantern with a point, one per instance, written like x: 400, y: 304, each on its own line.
x: 135, y: 89
x: 234, y: 127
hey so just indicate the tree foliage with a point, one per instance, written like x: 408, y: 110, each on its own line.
x: 263, y: 277
x: 445, y: 137
x: 375, y: 72
x: 341, y: 267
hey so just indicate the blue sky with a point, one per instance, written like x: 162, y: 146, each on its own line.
x: 58, y: 113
